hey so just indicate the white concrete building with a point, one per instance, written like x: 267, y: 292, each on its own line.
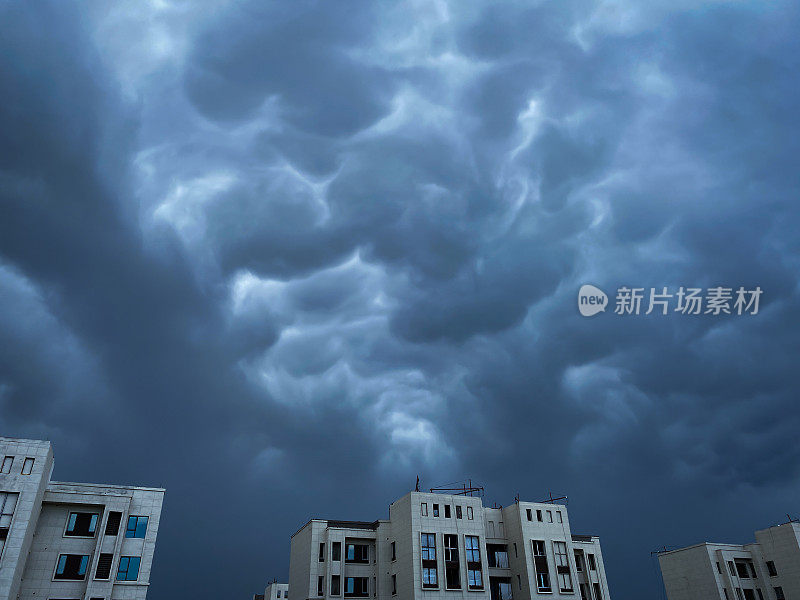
x: 274, y: 591
x: 768, y: 569
x: 71, y: 541
x: 448, y: 546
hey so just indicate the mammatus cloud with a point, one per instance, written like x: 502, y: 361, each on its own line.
x: 303, y: 247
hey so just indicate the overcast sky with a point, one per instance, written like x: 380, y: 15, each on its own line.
x: 283, y: 257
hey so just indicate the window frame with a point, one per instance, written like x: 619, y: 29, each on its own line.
x: 25, y: 464
x: 127, y: 569
x: 469, y: 552
x: 66, y: 533
x: 136, y: 527
x: 84, y: 566
x: 7, y: 460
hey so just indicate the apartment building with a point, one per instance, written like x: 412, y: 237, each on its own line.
x: 448, y: 546
x: 71, y: 541
x: 768, y: 569
x: 274, y: 591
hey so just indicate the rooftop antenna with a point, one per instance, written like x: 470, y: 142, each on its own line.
x: 416, y: 489
x: 464, y: 490
x: 552, y: 500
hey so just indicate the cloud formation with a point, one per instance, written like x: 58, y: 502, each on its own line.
x: 263, y: 252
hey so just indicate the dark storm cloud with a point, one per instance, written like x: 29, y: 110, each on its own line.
x: 261, y: 253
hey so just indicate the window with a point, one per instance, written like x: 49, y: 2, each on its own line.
x: 497, y: 555
x: 336, y: 585
x: 81, y: 524
x: 435, y: 510
x: 760, y: 595
x: 578, y: 562
x: 357, y: 553
x: 336, y: 551
x: 469, y: 513
x: 27, y: 466
x: 137, y: 527
x: 559, y: 518
x: 529, y: 513
x: 8, y: 502
x: 515, y: 550
x: 114, y: 520
x: 429, y: 570
x: 278, y: 594
x: 474, y: 568
x: 321, y: 557
x: 356, y: 587
x: 562, y: 567
x: 539, y: 516
x: 592, y: 564
x: 727, y: 597
x: 598, y: 594
x: 741, y: 570
x: 321, y: 585
x: 394, y: 551
x: 549, y: 516
x: 490, y: 530
x: 128, y: 568
x: 540, y: 564
x: 749, y: 594
x: 104, y: 566
x: 394, y: 585
x: 719, y: 569
x: 452, y: 566
x: 584, y: 591
x: 423, y: 509
x: 773, y: 572
x: 8, y: 461
x: 285, y: 594
x: 374, y: 587
x: 446, y: 511
x: 501, y: 530
x: 72, y: 566
x: 779, y: 593
x: 458, y: 512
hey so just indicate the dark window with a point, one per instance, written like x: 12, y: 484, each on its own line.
x: 578, y: 562
x: 357, y: 553
x: 104, y: 566
x: 27, y: 466
x: 114, y: 520
x: 430, y: 577
x: 474, y: 568
x: 719, y: 569
x: 81, y: 524
x: 539, y: 516
x: 779, y: 593
x: 452, y: 568
x: 72, y: 566
x: 584, y: 591
x: 446, y: 511
x: 336, y: 585
x: 356, y: 587
x: 515, y: 550
x: 530, y: 514
x: 542, y: 569
x: 374, y: 587
x: 562, y: 567
x: 458, y: 512
x: 394, y: 551
x: 598, y: 594
x: 592, y: 564
x: 322, y: 552
x: 773, y: 572
x: 336, y: 551
x: 435, y: 510
x: 137, y: 527
x: 321, y: 585
x: 732, y: 568
x: 727, y: 597
x: 760, y: 595
x: 394, y: 585
x: 497, y: 555
x: 741, y: 570
x: 128, y: 568
x: 749, y: 594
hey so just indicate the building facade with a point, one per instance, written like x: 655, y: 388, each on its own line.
x: 448, y: 546
x: 768, y: 569
x: 71, y: 541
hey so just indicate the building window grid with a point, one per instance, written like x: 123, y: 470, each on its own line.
x: 430, y: 579
x: 128, y: 568
x: 137, y: 526
x: 541, y: 567
x: 474, y: 567
x: 71, y: 567
x: 452, y: 566
x: 562, y: 567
